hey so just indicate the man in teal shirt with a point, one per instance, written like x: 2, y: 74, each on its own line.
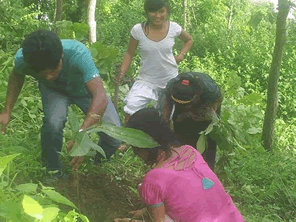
x: 67, y: 75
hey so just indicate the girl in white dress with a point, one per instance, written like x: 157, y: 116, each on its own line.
x: 156, y: 38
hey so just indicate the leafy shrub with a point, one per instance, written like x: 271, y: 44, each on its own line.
x: 263, y: 183
x: 30, y: 202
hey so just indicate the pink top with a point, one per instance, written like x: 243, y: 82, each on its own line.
x: 189, y: 189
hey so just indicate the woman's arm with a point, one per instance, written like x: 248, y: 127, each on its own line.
x: 157, y: 213
x: 186, y: 38
x: 128, y: 57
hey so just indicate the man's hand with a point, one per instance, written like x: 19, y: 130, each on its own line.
x: 76, y: 160
x: 4, y: 120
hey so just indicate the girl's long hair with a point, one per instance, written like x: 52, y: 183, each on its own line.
x: 150, y: 121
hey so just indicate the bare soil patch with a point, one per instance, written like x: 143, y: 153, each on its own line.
x: 99, y: 198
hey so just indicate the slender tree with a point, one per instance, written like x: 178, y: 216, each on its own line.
x: 91, y: 21
x: 185, y: 13
x: 58, y: 14
x: 272, y: 90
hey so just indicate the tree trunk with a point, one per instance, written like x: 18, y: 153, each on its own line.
x: 185, y: 13
x: 272, y: 90
x: 91, y: 21
x: 58, y: 15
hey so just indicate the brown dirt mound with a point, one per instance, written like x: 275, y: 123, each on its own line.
x: 99, y: 198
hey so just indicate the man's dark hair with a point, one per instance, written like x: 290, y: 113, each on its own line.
x: 154, y: 5
x: 42, y: 50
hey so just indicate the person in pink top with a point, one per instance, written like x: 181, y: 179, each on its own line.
x: 180, y: 186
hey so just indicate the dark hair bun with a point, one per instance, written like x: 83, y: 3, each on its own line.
x: 185, y: 87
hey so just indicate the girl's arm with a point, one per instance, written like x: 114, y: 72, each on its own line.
x: 186, y: 38
x: 157, y: 213
x: 128, y: 57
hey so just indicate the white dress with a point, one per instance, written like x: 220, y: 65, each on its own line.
x: 158, y: 66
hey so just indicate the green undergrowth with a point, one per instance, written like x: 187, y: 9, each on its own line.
x: 263, y: 184
x: 23, y: 134
x: 125, y: 168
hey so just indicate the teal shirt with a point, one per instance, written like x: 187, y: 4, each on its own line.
x: 77, y: 69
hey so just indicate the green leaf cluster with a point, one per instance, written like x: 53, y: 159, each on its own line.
x: 104, y: 57
x: 240, y: 123
x: 131, y: 136
x: 72, y: 30
x: 263, y: 183
x: 83, y: 144
x: 30, y: 202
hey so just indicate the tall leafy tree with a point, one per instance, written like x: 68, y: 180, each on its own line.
x: 272, y: 94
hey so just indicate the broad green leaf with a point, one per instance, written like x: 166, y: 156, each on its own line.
x: 5, y: 160
x: 91, y: 153
x: 70, y: 214
x: 80, y: 29
x: 254, y: 130
x: 232, y: 122
x: 201, y: 143
x: 233, y: 82
x: 81, y: 146
x: 49, y: 214
x: 131, y: 136
x: 78, y: 150
x: 3, y: 184
x: 95, y: 146
x: 74, y: 124
x: 83, y: 218
x: 32, y: 207
x: 237, y: 143
x: 226, y: 114
x: 209, y: 128
x: 10, y: 211
x: 94, y: 52
x: 55, y: 196
x: 252, y: 98
x: 103, y: 70
x: 27, y: 187
x: 74, y: 215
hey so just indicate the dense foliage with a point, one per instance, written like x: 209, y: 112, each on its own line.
x: 233, y: 42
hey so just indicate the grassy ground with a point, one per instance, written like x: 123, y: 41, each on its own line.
x: 262, y: 184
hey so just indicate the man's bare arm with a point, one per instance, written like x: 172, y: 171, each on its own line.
x: 98, y: 104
